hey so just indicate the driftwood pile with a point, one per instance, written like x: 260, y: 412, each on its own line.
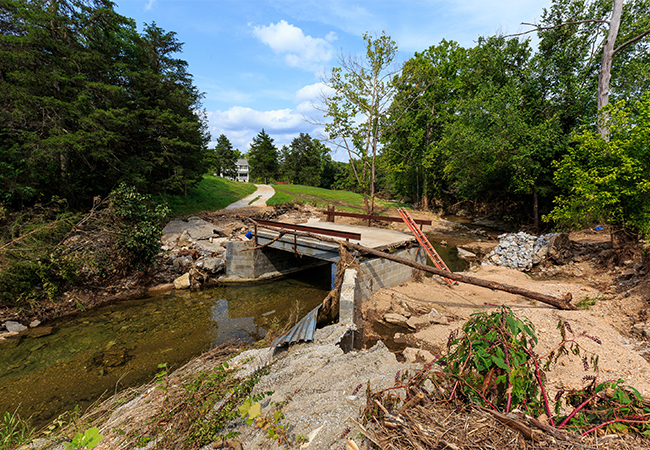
x: 409, y: 416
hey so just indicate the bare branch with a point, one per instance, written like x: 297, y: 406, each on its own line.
x: 632, y: 41
x: 538, y: 28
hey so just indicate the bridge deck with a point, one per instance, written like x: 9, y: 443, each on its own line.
x: 376, y: 238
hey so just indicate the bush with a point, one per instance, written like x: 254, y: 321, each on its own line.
x: 49, y: 248
x: 139, y: 221
x: 608, y: 182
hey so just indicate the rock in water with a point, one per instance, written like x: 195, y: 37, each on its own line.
x: 182, y: 282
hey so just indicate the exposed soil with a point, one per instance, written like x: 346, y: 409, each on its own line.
x: 321, y: 383
x: 616, y: 298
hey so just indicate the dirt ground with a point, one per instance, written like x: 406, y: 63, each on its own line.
x: 616, y: 318
x: 320, y: 383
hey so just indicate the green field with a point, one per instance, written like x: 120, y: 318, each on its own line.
x: 342, y: 200
x: 211, y: 194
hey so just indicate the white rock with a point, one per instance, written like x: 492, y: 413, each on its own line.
x: 12, y: 326
x: 182, y: 282
x: 417, y: 355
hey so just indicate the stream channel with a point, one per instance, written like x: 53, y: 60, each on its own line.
x: 73, y: 360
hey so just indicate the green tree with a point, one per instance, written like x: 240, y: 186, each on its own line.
x: 426, y: 102
x: 263, y: 157
x: 608, y: 182
x: 223, y: 158
x: 87, y: 102
x: 503, y: 137
x: 357, y: 111
x: 302, y: 162
x: 579, y: 43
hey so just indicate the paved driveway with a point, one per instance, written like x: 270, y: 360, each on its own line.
x: 264, y: 192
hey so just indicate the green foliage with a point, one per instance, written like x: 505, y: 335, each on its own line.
x: 222, y: 160
x: 251, y: 412
x: 199, y: 412
x: 610, y: 405
x: 263, y: 157
x: 304, y: 161
x: 357, y: 112
x: 608, y: 182
x: 494, y: 359
x: 14, y: 431
x: 33, y: 266
x: 211, y: 194
x: 138, y: 241
x: 89, y: 101
x: 88, y: 439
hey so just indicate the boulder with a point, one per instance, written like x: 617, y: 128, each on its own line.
x: 466, y: 255
x: 396, y: 319
x: 185, y: 239
x: 561, y: 249
x: 182, y: 282
x: 417, y: 355
x: 418, y: 322
x: 213, y: 265
x: 14, y: 327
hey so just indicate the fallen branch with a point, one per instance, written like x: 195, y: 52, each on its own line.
x: 563, y: 303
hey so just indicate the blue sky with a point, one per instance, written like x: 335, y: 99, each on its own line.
x: 260, y: 63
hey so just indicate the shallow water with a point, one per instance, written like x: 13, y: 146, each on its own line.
x: 120, y: 345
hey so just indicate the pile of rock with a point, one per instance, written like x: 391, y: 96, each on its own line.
x: 195, y: 245
x: 520, y: 251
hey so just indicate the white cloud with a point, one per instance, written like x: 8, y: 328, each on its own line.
x: 149, y: 5
x: 312, y: 93
x: 298, y: 49
x: 241, y: 124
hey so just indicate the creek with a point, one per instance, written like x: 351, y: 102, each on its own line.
x: 74, y: 360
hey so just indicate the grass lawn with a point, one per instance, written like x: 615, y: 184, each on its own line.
x: 211, y: 194
x: 342, y: 200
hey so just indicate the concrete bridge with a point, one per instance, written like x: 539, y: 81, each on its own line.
x: 290, y: 253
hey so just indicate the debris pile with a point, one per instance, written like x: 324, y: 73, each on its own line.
x: 520, y: 251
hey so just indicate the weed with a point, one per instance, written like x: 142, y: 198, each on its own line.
x: 14, y: 431
x: 199, y: 412
x: 86, y: 440
x: 271, y: 424
x: 162, y: 380
x: 492, y: 363
x: 587, y: 302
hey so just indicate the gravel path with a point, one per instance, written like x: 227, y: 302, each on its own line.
x: 264, y: 192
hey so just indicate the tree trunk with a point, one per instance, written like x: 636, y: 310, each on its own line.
x: 605, y: 74
x: 563, y: 303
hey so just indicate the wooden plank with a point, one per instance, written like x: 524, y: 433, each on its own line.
x: 331, y: 213
x: 316, y: 230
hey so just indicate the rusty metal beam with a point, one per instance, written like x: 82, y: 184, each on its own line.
x: 332, y: 213
x: 315, y: 230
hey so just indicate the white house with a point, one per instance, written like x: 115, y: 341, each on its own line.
x: 242, y: 170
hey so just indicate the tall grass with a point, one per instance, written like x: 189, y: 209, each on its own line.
x: 14, y: 431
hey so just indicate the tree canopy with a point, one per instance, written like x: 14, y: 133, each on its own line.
x: 87, y: 102
x: 263, y: 157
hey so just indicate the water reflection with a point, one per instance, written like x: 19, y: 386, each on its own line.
x: 74, y: 360
x: 227, y: 329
